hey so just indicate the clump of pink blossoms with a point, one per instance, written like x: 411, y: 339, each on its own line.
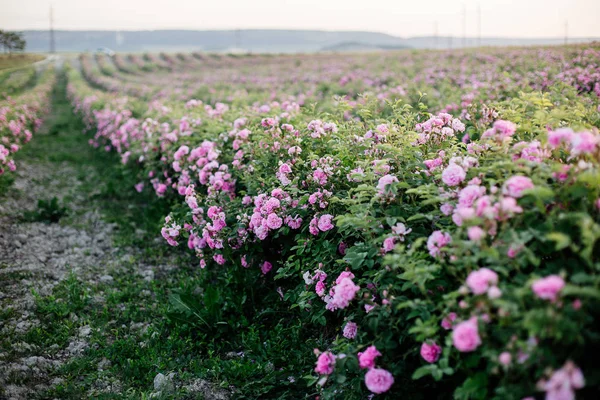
x: 350, y: 330
x: 501, y: 131
x: 436, y: 241
x: 453, y: 175
x: 378, y: 380
x: 549, y: 287
x: 325, y: 363
x: 366, y: 359
x: 465, y: 336
x: 266, y: 267
x: 321, y: 224
x: 482, y: 280
x: 385, y: 181
x: 515, y: 186
x: 343, y: 292
x: 430, y: 352
x: 563, y: 383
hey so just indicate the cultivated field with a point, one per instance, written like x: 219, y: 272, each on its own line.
x: 414, y: 224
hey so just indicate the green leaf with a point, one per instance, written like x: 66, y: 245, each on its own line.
x: 562, y: 241
x: 423, y: 371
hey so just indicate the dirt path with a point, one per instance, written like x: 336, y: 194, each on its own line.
x: 35, y: 256
x: 76, y: 298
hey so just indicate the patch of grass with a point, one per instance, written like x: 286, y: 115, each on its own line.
x: 18, y: 60
x: 48, y: 211
x: 68, y: 298
x: 6, y: 181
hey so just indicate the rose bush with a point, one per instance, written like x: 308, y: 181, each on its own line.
x: 21, y: 116
x: 442, y: 254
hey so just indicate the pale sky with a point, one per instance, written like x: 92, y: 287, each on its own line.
x: 504, y: 18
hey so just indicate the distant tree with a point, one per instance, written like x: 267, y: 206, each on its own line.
x: 12, y: 41
x: 3, y: 40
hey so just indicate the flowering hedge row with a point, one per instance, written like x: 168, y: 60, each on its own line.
x: 21, y: 116
x: 16, y: 81
x: 441, y: 254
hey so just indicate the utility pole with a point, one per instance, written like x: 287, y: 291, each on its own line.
x: 464, y: 23
x: 479, y: 24
x: 52, y: 42
x: 238, y: 39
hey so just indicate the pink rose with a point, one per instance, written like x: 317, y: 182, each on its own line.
x: 366, y: 359
x: 481, y: 280
x: 266, y: 267
x: 515, y: 186
x: 436, y: 241
x: 505, y: 358
x: 385, y: 181
x: 325, y: 363
x: 430, y: 352
x: 344, y: 274
x: 475, y: 233
x: 465, y: 336
x: 343, y: 293
x: 448, y: 320
x: 388, y: 244
x: 453, y: 175
x: 350, y: 330
x: 559, y: 136
x: 548, y: 288
x: 505, y: 128
x: 584, y: 143
x: 274, y: 221
x: 324, y: 223
x: 285, y: 169
x: 379, y: 380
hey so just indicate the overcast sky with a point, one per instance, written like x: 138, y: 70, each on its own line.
x: 505, y: 18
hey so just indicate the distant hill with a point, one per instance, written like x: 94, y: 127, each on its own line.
x: 359, y: 46
x: 255, y: 40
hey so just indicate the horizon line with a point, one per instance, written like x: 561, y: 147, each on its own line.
x: 300, y: 30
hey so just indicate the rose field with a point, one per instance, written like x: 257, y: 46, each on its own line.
x: 394, y: 225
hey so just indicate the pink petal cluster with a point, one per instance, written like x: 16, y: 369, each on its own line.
x: 325, y: 363
x: 384, y: 181
x: 453, y: 175
x: 350, y: 330
x: 465, y: 336
x: 482, y: 280
x: 343, y: 293
x: 378, y: 380
x: 366, y: 359
x: 515, y: 186
x: 563, y: 383
x: 548, y: 288
x: 436, y: 241
x: 430, y: 351
x: 448, y: 321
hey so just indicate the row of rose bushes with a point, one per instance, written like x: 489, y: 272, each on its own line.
x: 442, y: 256
x: 21, y: 116
x: 16, y: 81
x: 452, y: 79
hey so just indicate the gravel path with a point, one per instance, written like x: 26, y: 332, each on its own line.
x: 61, y: 283
x: 34, y: 258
